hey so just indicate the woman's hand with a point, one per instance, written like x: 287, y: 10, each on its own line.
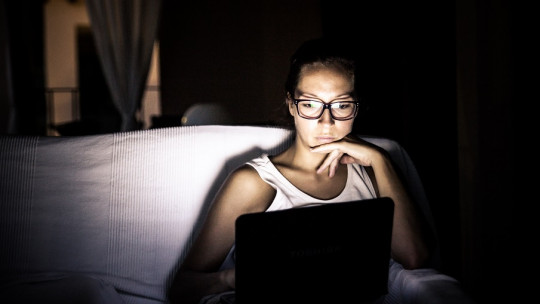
x: 346, y: 151
x: 229, y: 278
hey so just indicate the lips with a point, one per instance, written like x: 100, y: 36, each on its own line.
x: 325, y: 139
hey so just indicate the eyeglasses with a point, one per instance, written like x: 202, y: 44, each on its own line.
x: 313, y: 109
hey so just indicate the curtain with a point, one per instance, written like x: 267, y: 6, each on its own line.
x: 124, y: 33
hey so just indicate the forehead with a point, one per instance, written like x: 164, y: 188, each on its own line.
x: 318, y: 79
x: 330, y: 66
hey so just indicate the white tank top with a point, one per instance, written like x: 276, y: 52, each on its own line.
x: 358, y: 186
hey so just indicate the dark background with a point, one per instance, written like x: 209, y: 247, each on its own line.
x: 441, y: 77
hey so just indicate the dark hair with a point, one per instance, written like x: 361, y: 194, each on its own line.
x: 326, y: 51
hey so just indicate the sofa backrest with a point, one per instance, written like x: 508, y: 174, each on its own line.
x: 124, y: 207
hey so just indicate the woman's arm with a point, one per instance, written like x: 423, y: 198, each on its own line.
x: 409, y: 246
x: 409, y: 243
x: 243, y: 192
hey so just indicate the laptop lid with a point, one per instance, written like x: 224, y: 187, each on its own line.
x: 325, y: 253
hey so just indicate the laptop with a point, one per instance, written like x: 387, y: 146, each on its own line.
x: 327, y: 253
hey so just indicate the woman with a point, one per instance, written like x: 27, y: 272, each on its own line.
x: 325, y: 164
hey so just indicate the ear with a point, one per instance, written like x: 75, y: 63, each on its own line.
x: 290, y: 104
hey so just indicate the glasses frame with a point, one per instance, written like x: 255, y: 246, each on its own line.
x: 326, y: 105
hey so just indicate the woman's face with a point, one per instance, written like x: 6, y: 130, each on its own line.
x: 326, y: 84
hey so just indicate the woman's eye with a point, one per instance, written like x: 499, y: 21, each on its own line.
x: 342, y: 105
x: 311, y: 105
x: 339, y: 105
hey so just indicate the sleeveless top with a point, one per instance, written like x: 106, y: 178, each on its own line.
x: 358, y: 186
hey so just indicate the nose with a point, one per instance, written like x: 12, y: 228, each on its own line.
x: 326, y: 117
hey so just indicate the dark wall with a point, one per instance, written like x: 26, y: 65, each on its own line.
x: 22, y: 82
x: 490, y: 87
x: 98, y: 112
x: 5, y: 72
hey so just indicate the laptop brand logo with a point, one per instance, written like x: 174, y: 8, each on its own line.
x: 314, y: 251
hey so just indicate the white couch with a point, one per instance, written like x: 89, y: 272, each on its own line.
x: 119, y: 211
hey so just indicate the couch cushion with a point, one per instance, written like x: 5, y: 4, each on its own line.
x: 61, y: 289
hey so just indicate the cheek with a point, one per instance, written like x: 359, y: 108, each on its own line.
x: 345, y: 127
x: 304, y: 125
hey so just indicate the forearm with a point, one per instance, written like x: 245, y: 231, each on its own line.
x: 409, y: 246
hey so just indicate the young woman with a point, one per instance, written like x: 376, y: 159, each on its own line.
x: 325, y: 164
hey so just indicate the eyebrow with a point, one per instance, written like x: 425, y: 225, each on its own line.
x: 312, y: 97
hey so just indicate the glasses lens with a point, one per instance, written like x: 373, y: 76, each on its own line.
x: 343, y: 109
x: 310, y: 108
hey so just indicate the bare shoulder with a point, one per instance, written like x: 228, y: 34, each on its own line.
x: 244, y: 185
x: 246, y: 173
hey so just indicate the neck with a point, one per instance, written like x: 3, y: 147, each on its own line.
x: 299, y: 156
